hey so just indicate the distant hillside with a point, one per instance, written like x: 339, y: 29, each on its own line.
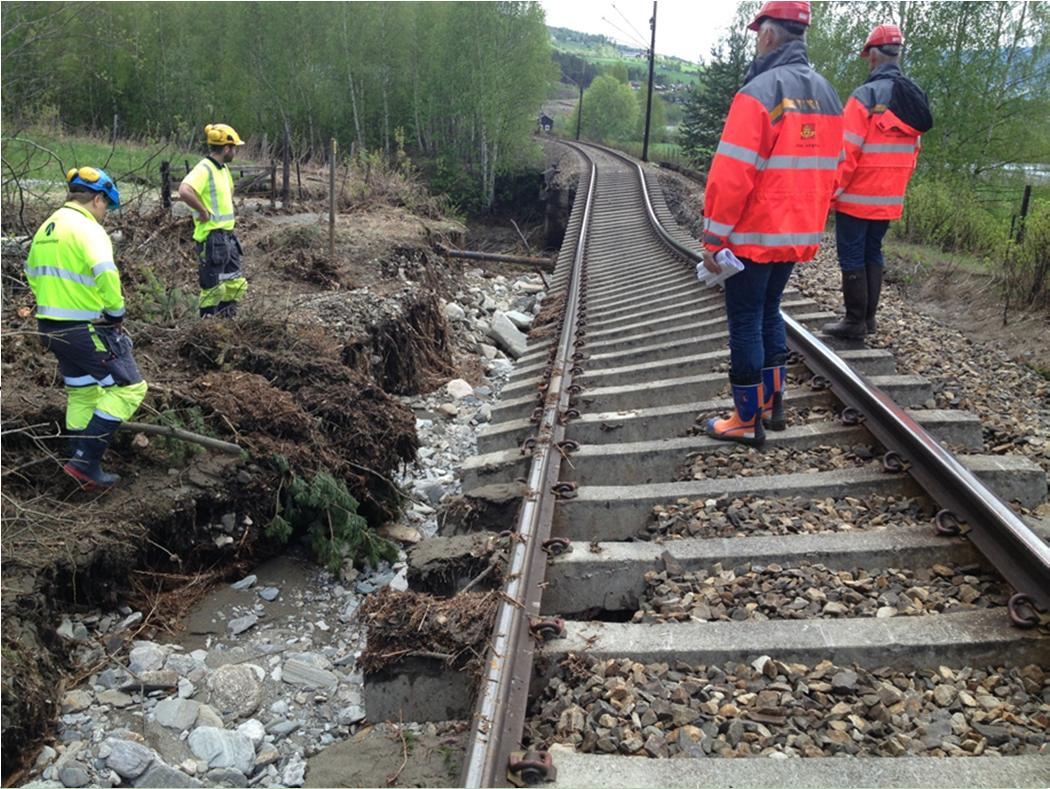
x: 602, y: 53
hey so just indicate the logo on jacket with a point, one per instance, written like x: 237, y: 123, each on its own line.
x: 808, y: 132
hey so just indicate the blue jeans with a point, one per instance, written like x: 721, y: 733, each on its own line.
x: 859, y: 241
x: 757, y: 337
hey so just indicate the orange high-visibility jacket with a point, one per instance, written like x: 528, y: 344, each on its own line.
x: 881, y: 152
x: 773, y: 174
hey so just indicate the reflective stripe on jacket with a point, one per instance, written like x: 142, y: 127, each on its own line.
x: 881, y: 152
x: 214, y: 186
x: 70, y: 268
x: 773, y: 173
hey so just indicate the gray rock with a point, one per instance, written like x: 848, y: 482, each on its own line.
x: 128, y: 759
x: 181, y: 663
x: 299, y: 672
x: 484, y: 414
x: 234, y: 690
x: 186, y: 688
x: 207, y: 716
x: 294, y: 772
x: 146, y: 657
x: 113, y: 678
x: 521, y: 320
x: 160, y: 776
x: 267, y: 755
x: 241, y: 623
x: 454, y: 312
x: 269, y: 593
x: 352, y: 714
x: 221, y: 748
x: 45, y: 757
x: 253, y: 730
x: 487, y: 351
x: 844, y: 682
x: 152, y: 680
x: 76, y: 700
x: 74, y: 775
x: 226, y: 777
x: 245, y: 583
x: 283, y: 729
x: 130, y: 620
x: 178, y: 714
x: 458, y: 389
x: 507, y: 336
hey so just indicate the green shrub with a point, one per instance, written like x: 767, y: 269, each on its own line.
x: 159, y: 304
x: 949, y: 216
x: 325, y: 510
x: 1027, y: 269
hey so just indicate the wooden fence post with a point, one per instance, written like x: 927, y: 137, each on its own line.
x: 331, y: 201
x: 273, y: 183
x: 165, y: 184
x: 286, y: 187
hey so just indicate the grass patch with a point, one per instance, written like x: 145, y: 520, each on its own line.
x: 916, y: 261
x: 47, y: 155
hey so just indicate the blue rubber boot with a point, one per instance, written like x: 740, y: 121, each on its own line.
x: 773, y: 381
x: 744, y: 425
x: 86, y: 464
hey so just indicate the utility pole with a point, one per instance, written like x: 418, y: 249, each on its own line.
x: 579, y: 109
x: 649, y: 99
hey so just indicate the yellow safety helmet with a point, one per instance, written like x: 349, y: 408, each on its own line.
x: 221, y: 134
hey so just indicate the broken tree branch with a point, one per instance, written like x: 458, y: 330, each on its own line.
x: 184, y: 435
x: 543, y: 263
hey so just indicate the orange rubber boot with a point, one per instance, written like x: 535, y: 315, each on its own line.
x: 744, y: 425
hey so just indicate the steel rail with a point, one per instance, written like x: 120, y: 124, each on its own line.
x: 500, y: 711
x: 1007, y: 542
x: 1019, y: 555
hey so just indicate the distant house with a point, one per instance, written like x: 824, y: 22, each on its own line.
x: 546, y: 123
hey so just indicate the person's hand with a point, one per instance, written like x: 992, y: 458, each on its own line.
x: 709, y: 263
x: 202, y: 216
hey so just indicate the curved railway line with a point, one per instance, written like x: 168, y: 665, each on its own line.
x: 600, y: 421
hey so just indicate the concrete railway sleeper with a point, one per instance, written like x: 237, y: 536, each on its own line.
x: 855, y: 589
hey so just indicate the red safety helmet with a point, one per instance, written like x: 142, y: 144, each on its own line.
x: 883, y: 35
x: 786, y: 10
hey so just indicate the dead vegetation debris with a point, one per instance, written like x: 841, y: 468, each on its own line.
x: 404, y: 625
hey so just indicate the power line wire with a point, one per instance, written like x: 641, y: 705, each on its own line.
x: 628, y: 21
x: 629, y: 36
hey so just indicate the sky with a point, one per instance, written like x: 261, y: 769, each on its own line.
x: 684, y: 28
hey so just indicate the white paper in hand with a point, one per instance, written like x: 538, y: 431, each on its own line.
x: 728, y: 265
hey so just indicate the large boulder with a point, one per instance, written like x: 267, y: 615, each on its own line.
x: 506, y: 336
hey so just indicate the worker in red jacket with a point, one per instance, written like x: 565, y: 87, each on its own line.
x: 767, y: 199
x: 883, y: 121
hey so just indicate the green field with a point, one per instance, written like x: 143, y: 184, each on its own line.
x: 45, y: 156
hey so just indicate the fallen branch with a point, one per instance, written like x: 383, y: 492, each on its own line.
x: 543, y: 263
x: 184, y: 435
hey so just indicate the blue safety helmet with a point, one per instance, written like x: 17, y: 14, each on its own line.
x: 95, y: 180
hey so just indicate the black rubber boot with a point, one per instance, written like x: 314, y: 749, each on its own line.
x: 226, y: 309
x: 874, y: 290
x: 86, y: 464
x: 855, y: 297
x: 207, y: 312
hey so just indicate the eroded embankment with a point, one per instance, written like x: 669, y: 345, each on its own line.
x: 302, y: 380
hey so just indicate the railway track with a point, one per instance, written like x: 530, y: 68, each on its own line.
x: 669, y: 595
